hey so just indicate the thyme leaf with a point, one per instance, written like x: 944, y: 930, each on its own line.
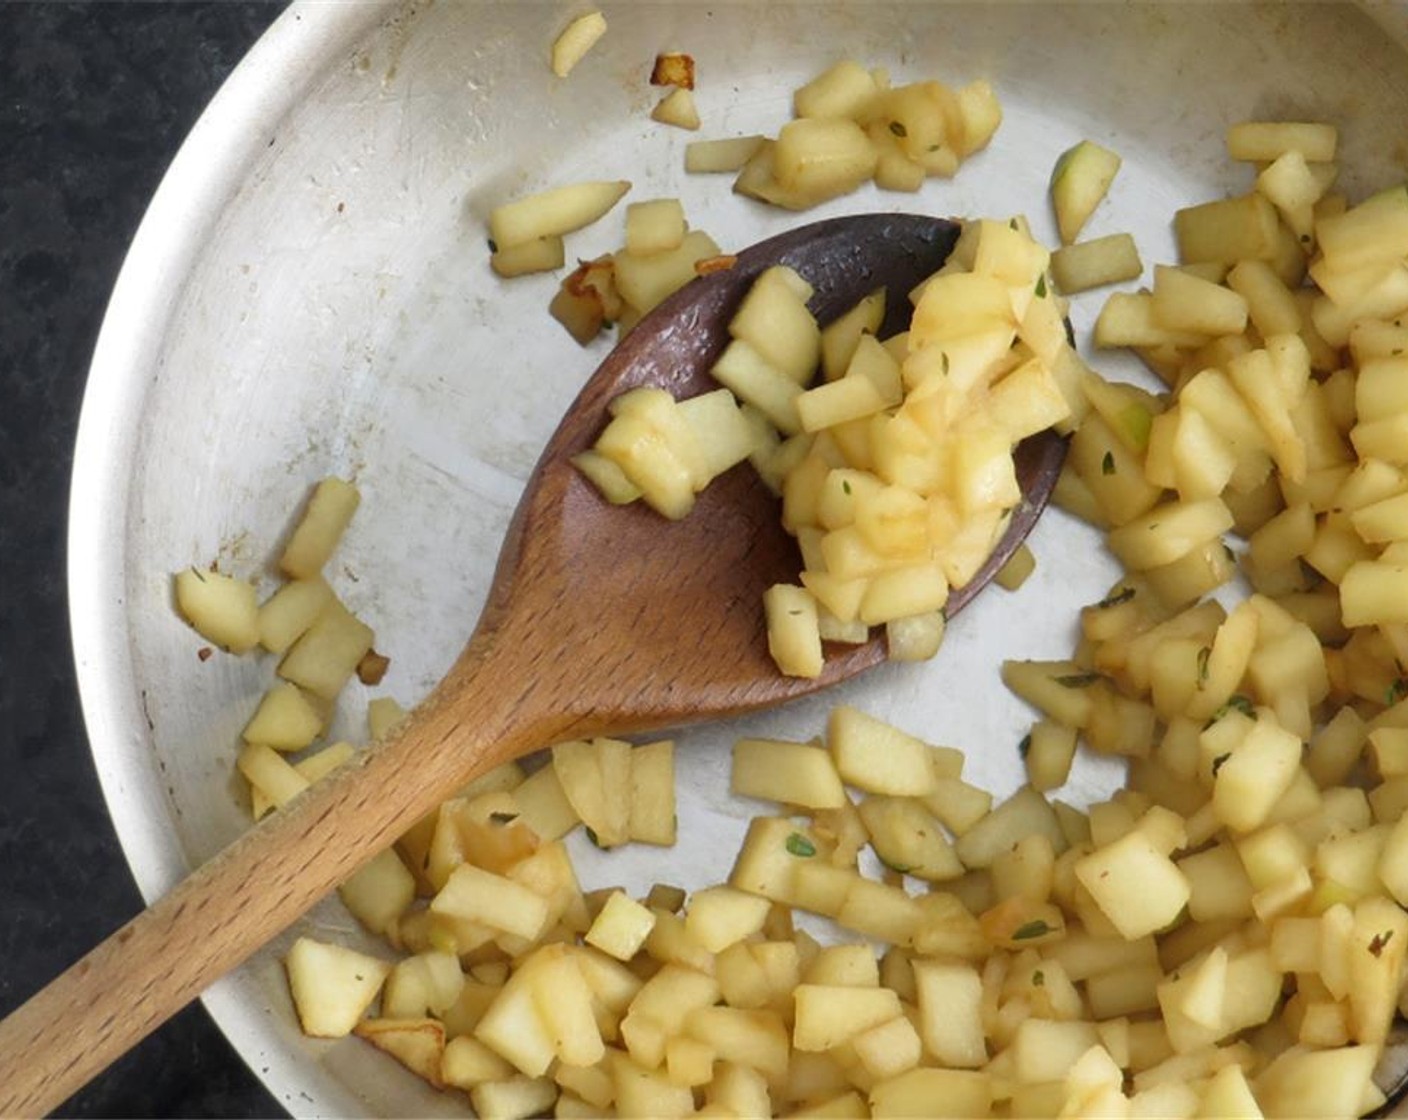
x: 1115, y: 598
x: 1077, y: 680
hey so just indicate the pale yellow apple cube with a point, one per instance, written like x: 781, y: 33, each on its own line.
x: 841, y: 336
x: 1137, y: 887
x: 823, y: 158
x: 330, y: 510
x: 380, y: 892
x: 828, y: 1015
x: 284, y: 720
x: 1247, y: 785
x: 607, y: 476
x: 553, y: 212
x: 794, y: 635
x: 542, y: 254
x: 720, y: 916
x: 967, y: 1093
x: 1169, y: 532
x: 544, y: 806
x: 1079, y: 182
x: 889, y: 1049
x: 1025, y: 813
x: 844, y: 89
x: 222, y: 609
x: 908, y: 839
x: 384, y: 716
x: 289, y: 611
x: 1183, y: 301
x: 1045, y: 1050
x: 270, y: 774
x: 677, y: 108
x: 1228, y: 1094
x: 645, y: 280
x: 1266, y: 141
x: 984, y: 477
x: 838, y: 402
x: 651, y: 816
x: 1050, y: 750
x: 1302, y: 1082
x: 327, y: 654
x: 950, y: 995
x: 756, y: 1040
x: 473, y: 894
x: 793, y: 773
x: 575, y: 40
x: 774, y: 321
x: 428, y: 983
x: 755, y: 380
x: 654, y: 226
x: 622, y: 926
x: 467, y: 1062
x: 332, y: 986
x: 903, y: 592
x: 689, y: 1061
x: 877, y: 757
x: 514, y: 1098
x: 1095, y: 263
x: 722, y: 430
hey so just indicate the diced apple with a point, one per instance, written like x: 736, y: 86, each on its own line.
x: 1079, y: 181
x: 872, y: 755
x: 284, y: 720
x: 332, y: 986
x: 222, y: 608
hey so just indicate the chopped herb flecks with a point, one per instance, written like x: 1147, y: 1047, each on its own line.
x: 1238, y: 703
x: 1077, y: 680
x: 1031, y: 930
x: 1107, y: 464
x: 1115, y: 598
x: 799, y: 845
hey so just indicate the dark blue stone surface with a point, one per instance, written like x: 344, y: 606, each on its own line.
x: 94, y: 101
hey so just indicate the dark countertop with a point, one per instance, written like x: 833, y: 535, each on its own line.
x: 94, y: 101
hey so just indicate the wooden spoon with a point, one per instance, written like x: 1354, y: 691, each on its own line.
x: 600, y: 619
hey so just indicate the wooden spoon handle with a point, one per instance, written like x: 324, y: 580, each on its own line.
x: 162, y: 959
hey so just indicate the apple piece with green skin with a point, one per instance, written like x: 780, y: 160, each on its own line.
x: 1080, y: 179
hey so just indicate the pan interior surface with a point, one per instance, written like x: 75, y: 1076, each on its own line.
x: 310, y: 295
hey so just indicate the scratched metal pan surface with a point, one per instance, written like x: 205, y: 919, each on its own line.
x: 309, y: 294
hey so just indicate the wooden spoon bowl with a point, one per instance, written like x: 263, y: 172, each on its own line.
x: 600, y: 619
x: 691, y: 628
